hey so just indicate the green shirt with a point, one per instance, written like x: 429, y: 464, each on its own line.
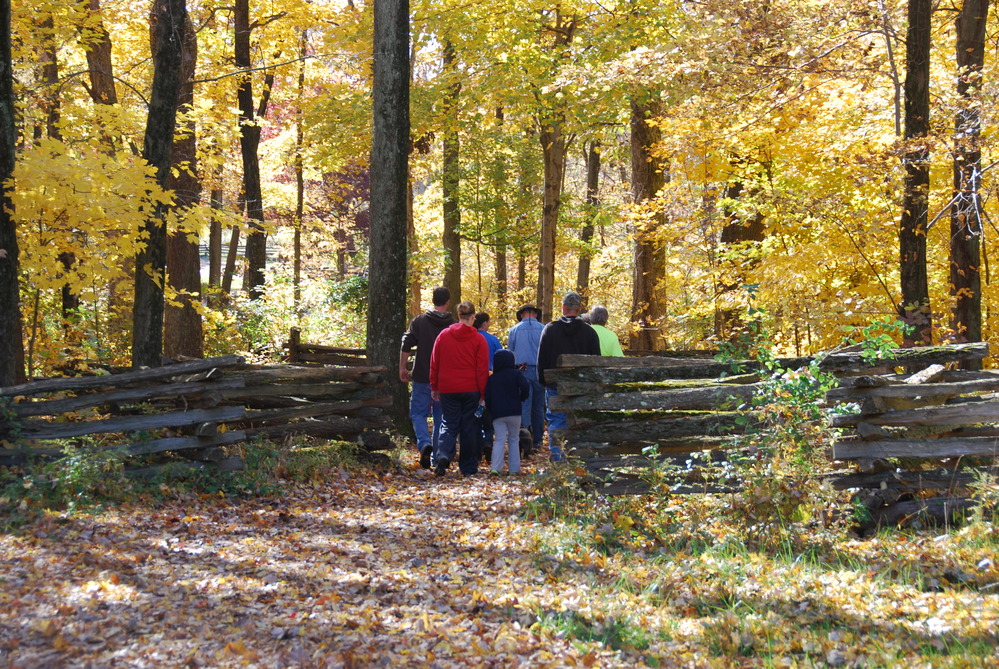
x: 609, y: 345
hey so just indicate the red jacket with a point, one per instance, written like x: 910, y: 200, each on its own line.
x: 460, y: 361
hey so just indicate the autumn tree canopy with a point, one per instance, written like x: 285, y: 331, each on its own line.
x: 740, y: 153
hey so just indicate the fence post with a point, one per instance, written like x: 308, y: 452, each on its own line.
x: 294, y: 340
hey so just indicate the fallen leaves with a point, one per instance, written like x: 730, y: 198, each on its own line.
x: 401, y: 569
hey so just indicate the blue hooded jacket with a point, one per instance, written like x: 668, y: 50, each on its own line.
x: 507, y: 388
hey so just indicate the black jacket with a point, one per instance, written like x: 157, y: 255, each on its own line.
x: 566, y: 335
x: 507, y: 387
x: 421, y: 335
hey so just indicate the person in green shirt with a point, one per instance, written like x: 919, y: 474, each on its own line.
x: 609, y: 344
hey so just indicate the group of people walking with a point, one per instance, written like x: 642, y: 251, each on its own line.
x: 461, y: 372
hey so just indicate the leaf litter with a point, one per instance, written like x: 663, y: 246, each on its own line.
x: 400, y: 568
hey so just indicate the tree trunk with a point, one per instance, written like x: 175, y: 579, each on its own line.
x: 451, y: 180
x: 11, y: 343
x: 215, y: 247
x: 728, y: 321
x: 915, y: 306
x: 100, y: 68
x: 554, y: 147
x: 592, y: 207
x: 299, y: 176
x: 249, y: 142
x: 183, y: 328
x: 647, y: 178
x: 389, y: 178
x: 147, y: 317
x: 414, y: 283
x: 966, y: 219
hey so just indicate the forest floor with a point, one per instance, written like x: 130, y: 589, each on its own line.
x: 402, y: 568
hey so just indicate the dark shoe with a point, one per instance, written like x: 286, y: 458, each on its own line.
x: 441, y: 467
x: 425, y: 456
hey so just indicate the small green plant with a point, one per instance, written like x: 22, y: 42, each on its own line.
x: 985, y: 489
x: 350, y: 293
x: 878, y: 338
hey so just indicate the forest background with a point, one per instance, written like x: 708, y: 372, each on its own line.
x: 679, y: 162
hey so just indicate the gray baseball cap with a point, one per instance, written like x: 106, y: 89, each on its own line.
x: 572, y: 300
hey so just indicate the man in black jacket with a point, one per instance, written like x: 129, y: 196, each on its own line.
x: 421, y: 335
x: 566, y: 335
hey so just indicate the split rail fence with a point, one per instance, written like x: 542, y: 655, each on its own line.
x: 194, y: 410
x: 619, y: 406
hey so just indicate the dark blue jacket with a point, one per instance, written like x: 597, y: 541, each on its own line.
x: 507, y: 387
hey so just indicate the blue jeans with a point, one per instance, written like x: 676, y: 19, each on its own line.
x: 422, y: 405
x: 533, y: 412
x: 557, y: 420
x: 460, y: 420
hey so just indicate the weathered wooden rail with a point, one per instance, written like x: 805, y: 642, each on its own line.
x: 618, y: 406
x: 194, y: 409
x: 317, y: 354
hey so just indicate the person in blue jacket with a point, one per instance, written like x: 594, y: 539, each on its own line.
x: 506, y: 390
x: 524, y: 339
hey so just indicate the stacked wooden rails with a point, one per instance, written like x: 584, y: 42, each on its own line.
x: 178, y: 408
x: 319, y: 354
x: 619, y: 406
x: 193, y: 409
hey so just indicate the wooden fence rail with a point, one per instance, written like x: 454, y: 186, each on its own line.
x: 194, y: 408
x: 616, y: 407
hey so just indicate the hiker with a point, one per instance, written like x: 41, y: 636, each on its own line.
x: 492, y: 341
x: 523, y: 340
x: 609, y: 343
x: 422, y: 334
x: 506, y: 391
x: 482, y: 323
x: 568, y: 334
x: 459, y: 368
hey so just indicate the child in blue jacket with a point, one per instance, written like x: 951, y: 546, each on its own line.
x: 506, y: 390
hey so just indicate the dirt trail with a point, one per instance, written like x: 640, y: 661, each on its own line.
x: 375, y: 569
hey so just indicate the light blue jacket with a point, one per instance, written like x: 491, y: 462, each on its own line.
x: 524, y: 339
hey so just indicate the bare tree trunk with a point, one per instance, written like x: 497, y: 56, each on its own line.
x: 147, y: 314
x: 182, y: 323
x: 415, y: 285
x: 299, y: 177
x: 215, y: 245
x: 232, y: 253
x: 249, y: 142
x: 11, y: 342
x: 554, y: 147
x: 451, y: 181
x: 592, y: 208
x: 728, y: 322
x: 648, y: 178
x: 915, y: 306
x: 389, y: 178
x: 966, y: 219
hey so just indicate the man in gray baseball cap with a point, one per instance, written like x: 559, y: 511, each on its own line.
x: 568, y: 334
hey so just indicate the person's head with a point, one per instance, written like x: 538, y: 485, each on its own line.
x: 527, y: 311
x: 572, y: 303
x: 481, y: 321
x: 598, y: 315
x: 442, y: 296
x: 466, y: 313
x: 585, y: 317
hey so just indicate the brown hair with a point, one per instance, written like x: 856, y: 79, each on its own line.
x: 466, y: 309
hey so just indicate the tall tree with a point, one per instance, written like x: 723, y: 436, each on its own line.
x: 249, y: 143
x: 592, y: 207
x: 915, y: 306
x: 11, y: 345
x: 451, y: 178
x: 555, y: 142
x: 648, y: 176
x: 182, y: 320
x: 170, y: 19
x: 390, y: 145
x: 966, y: 225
